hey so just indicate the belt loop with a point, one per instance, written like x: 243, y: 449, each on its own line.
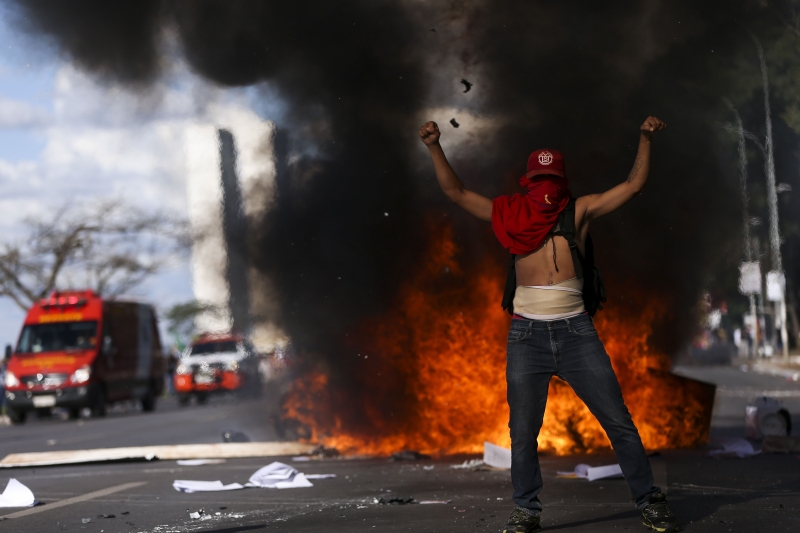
x: 569, y: 326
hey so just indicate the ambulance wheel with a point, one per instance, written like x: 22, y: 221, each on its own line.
x: 183, y: 399
x: 202, y: 398
x: 16, y: 417
x: 149, y: 401
x: 99, y: 405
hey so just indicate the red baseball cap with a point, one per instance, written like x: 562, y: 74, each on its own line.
x: 545, y: 161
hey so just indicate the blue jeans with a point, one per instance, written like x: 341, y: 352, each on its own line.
x: 570, y: 349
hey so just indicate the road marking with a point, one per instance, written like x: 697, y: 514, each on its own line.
x: 76, y: 499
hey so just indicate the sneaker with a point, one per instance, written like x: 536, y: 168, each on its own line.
x: 657, y: 516
x: 521, y: 522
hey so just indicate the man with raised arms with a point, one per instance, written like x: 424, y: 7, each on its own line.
x: 551, y: 332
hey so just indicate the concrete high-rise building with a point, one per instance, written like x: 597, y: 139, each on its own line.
x: 230, y: 175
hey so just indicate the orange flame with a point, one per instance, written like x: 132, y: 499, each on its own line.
x: 446, y: 340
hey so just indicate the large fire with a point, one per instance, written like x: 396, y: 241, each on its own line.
x: 445, y: 342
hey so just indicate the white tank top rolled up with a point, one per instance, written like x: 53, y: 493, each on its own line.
x: 550, y: 302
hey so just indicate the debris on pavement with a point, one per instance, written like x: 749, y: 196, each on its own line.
x: 188, y: 485
x: 200, y: 462
x: 432, y: 502
x: 454, y: 123
x: 431, y: 467
x: 17, y: 495
x: 106, y: 516
x: 235, y: 436
x: 408, y: 455
x: 275, y: 475
x: 197, y: 514
x: 579, y: 472
x: 779, y: 444
x: 469, y: 465
x: 741, y: 448
x: 592, y: 473
x: 496, y: 456
x: 278, y: 476
x: 395, y: 501
x: 467, y: 85
x: 86, y: 520
x: 766, y: 417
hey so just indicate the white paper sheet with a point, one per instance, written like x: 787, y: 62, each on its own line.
x: 189, y: 485
x: 496, y: 456
x: 580, y: 471
x: 603, y: 472
x: 200, y: 462
x: 591, y: 473
x: 17, y: 495
x: 273, y: 476
x: 740, y: 448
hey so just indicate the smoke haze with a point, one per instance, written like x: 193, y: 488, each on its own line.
x: 355, y: 207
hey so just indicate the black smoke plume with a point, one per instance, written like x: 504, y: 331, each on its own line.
x: 350, y: 224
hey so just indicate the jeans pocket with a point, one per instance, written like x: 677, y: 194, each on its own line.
x: 583, y: 328
x: 516, y: 335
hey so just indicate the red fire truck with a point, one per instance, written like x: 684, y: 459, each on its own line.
x: 78, y: 350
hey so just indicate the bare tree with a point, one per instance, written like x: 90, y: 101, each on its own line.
x: 106, y: 246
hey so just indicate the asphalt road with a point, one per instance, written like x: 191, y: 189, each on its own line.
x: 761, y: 494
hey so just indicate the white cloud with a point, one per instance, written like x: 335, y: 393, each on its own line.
x: 19, y: 114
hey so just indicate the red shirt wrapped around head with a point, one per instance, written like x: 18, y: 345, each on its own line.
x: 522, y: 222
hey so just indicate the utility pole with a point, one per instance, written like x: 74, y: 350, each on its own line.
x: 747, y: 244
x: 772, y: 199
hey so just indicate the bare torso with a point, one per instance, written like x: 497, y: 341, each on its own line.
x: 539, y: 266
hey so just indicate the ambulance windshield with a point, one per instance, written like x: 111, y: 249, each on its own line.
x: 205, y: 348
x: 56, y: 337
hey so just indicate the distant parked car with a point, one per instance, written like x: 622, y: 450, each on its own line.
x: 215, y: 364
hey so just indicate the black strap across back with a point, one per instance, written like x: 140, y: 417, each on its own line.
x: 594, y: 292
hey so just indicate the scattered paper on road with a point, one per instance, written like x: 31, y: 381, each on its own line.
x: 603, y: 472
x: 580, y: 472
x: 279, y: 476
x: 472, y: 463
x: 496, y: 456
x: 200, y: 462
x: 16, y: 495
x: 592, y: 473
x: 188, y: 485
x: 275, y: 475
x: 741, y: 448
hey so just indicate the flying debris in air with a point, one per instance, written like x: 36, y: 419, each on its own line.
x: 454, y: 123
x: 467, y: 85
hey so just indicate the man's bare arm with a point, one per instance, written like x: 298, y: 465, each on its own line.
x: 596, y: 205
x: 470, y: 201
